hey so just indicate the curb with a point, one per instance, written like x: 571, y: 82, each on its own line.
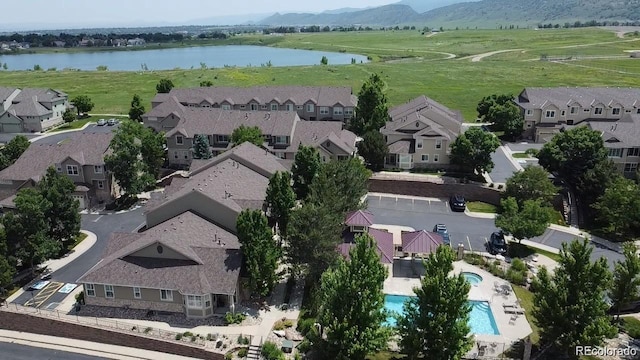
x: 46, y: 135
x: 480, y: 215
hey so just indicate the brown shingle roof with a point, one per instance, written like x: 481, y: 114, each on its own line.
x: 563, y: 97
x: 313, y: 133
x: 426, y: 110
x: 212, y: 263
x: 400, y: 147
x: 623, y: 133
x: 41, y: 94
x: 28, y: 107
x: 86, y: 148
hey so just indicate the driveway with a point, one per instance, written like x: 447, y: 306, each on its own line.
x: 57, y: 138
x: 463, y: 229
x: 102, y: 226
x: 503, y: 168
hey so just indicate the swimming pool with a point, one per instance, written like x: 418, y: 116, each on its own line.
x: 481, y: 320
x: 473, y: 278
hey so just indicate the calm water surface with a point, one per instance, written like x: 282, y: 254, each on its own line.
x: 184, y: 58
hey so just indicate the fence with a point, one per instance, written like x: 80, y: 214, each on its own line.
x: 216, y: 342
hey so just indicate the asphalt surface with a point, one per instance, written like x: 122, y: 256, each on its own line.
x: 54, y: 139
x: 503, y: 168
x: 5, y: 138
x: 12, y: 351
x: 463, y: 229
x: 102, y: 226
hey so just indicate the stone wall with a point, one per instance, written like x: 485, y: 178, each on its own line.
x: 135, y: 304
x: 51, y: 327
x: 471, y: 192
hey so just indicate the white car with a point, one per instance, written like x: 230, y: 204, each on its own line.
x: 111, y: 122
x: 102, y: 122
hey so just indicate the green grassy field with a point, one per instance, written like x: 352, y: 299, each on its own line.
x: 410, y: 63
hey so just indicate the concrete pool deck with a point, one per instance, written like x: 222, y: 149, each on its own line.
x: 406, y: 276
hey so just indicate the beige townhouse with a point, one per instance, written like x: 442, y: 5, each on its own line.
x: 31, y: 109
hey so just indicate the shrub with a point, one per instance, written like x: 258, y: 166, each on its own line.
x: 231, y: 318
x: 532, y: 152
x: 518, y: 265
x: 270, y: 351
x: 516, y: 277
x: 243, y: 352
x: 304, y: 346
x: 193, y: 339
x: 305, y: 325
x: 147, y: 330
x: 243, y: 340
x: 178, y: 336
x: 80, y: 298
x: 283, y: 324
x: 297, y: 356
x: 187, y: 334
x: 228, y: 356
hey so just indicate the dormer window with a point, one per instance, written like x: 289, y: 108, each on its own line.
x: 616, y: 111
x: 179, y: 140
x: 274, y: 107
x: 597, y: 111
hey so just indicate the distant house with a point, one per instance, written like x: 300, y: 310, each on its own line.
x: 283, y: 131
x: 81, y: 158
x: 189, y: 259
x: 136, y: 42
x: 419, y: 134
x: 58, y: 43
x: 31, y: 109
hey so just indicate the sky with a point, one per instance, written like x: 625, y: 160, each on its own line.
x: 100, y: 13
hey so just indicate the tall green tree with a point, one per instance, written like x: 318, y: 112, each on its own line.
x: 242, y: 134
x: 373, y: 149
x: 201, y: 148
x: 313, y: 235
x: 569, y: 307
x: 164, y: 86
x: 626, y: 278
x: 353, y: 332
x: 507, y: 118
x: 372, y: 111
x: 435, y: 324
x: 619, y: 207
x: 592, y: 184
x: 7, y: 270
x: 63, y: 216
x: 261, y: 253
x: 305, y: 168
x: 472, y: 150
x: 69, y: 116
x: 341, y: 185
x: 125, y: 161
x: 15, y: 148
x: 152, y: 146
x: 532, y: 183
x: 488, y: 101
x: 83, y: 104
x: 530, y: 220
x: 280, y: 200
x: 137, y: 109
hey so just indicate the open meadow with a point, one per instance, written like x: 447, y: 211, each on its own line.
x: 456, y: 68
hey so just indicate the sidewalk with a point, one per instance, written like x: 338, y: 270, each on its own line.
x: 83, y: 347
x: 56, y: 264
x: 45, y: 135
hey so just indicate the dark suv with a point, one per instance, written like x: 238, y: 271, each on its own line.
x: 497, y: 245
x: 457, y: 203
x: 441, y: 229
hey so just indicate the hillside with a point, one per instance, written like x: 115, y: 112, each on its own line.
x: 532, y: 12
x: 382, y: 16
x: 421, y: 6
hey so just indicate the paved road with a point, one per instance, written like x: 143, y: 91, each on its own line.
x: 472, y: 232
x: 54, y: 139
x: 102, y: 226
x: 5, y: 138
x: 503, y: 167
x: 12, y: 351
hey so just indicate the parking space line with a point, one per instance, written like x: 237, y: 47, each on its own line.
x: 446, y: 206
x: 469, y: 242
x: 98, y: 218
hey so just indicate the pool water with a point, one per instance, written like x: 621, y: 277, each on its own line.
x: 473, y: 278
x: 481, y: 320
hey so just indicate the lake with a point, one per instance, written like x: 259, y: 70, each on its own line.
x: 184, y: 58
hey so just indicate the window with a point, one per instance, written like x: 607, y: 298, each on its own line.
x: 630, y: 167
x: 597, y: 111
x: 550, y: 114
x: 280, y: 139
x: 222, y: 138
x: 638, y: 111
x: 100, y: 184
x: 529, y: 112
x: 438, y: 144
x: 311, y: 108
x: 348, y: 111
x: 418, y: 144
x: 72, y: 170
x: 300, y: 107
x: 274, y: 107
x: 569, y: 122
x: 97, y: 169
x: 436, y: 157
x: 136, y: 293
x: 562, y: 113
x: 166, y: 295
x: 207, y: 301
x: 574, y: 110
x: 194, y: 302
x: 615, y: 152
x: 90, y: 289
x: 289, y: 107
x: 633, y: 152
x: 263, y: 107
x: 616, y: 111
x: 254, y: 107
x: 108, y: 291
x: 337, y: 111
x: 226, y: 107
x: 186, y: 155
x: 175, y: 154
x: 59, y: 168
x: 179, y: 140
x: 324, y: 110
x: 425, y: 158
x: 243, y: 107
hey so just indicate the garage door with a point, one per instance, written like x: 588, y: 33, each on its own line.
x: 80, y: 199
x: 12, y: 128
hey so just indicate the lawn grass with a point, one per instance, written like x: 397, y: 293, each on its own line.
x: 631, y: 326
x: 518, y: 250
x: 385, y: 355
x: 520, y: 155
x: 81, y: 236
x: 525, y: 299
x: 82, y: 122
x: 557, y: 218
x: 457, y: 83
x: 482, y: 207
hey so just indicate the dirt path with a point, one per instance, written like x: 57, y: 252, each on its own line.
x: 448, y: 55
x: 479, y: 57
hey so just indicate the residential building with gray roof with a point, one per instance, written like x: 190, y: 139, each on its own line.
x: 31, y: 109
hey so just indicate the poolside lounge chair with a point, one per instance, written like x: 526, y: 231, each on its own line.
x: 514, y: 310
x: 512, y: 320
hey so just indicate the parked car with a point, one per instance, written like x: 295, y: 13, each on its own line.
x: 102, y: 122
x: 441, y: 229
x: 111, y: 122
x: 497, y: 245
x: 457, y: 203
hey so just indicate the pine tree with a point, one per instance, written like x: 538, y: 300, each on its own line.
x: 305, y: 168
x: 280, y: 200
x: 372, y: 111
x: 137, y: 109
x: 201, y: 148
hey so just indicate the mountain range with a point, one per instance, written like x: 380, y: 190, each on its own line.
x: 484, y: 13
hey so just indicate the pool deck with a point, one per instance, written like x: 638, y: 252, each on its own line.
x: 406, y: 276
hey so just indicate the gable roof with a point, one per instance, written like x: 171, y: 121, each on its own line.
x: 170, y: 105
x: 84, y: 148
x: 427, y: 111
x: 384, y: 245
x: 5, y: 92
x: 562, y: 97
x: 213, y: 265
x: 421, y: 242
x: 626, y: 131
x: 29, y: 107
x: 359, y: 218
x: 43, y: 95
x: 314, y: 133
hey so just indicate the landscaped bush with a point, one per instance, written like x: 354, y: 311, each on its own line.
x: 187, y: 334
x: 304, y: 346
x: 516, y: 277
x: 243, y: 352
x: 147, y: 330
x: 532, y: 152
x: 305, y: 325
x: 80, y: 298
x: 518, y: 265
x: 270, y: 351
x: 243, y: 340
x: 231, y: 318
x: 178, y: 336
x: 283, y: 324
x: 228, y: 356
